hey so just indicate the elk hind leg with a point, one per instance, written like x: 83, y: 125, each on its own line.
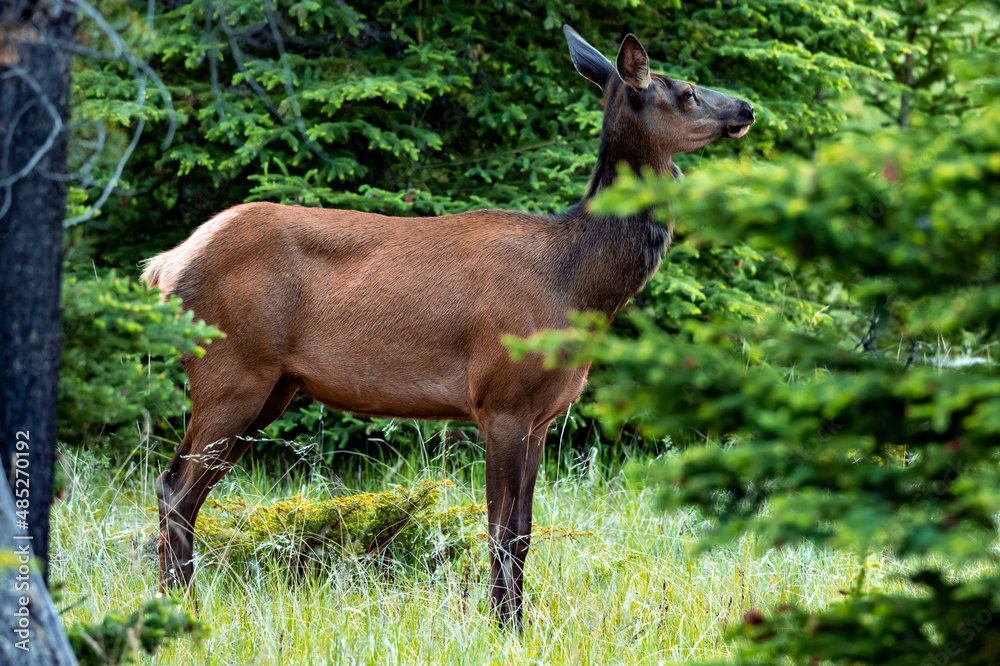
x: 274, y: 406
x: 211, y: 446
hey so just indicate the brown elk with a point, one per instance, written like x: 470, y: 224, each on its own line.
x: 403, y: 317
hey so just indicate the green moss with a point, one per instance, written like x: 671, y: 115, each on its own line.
x: 397, y: 527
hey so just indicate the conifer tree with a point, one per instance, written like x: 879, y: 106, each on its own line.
x: 410, y: 109
x: 880, y: 439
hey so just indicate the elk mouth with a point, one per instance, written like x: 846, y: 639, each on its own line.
x: 737, y: 131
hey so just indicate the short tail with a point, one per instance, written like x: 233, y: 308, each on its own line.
x: 156, y: 272
x: 165, y: 269
x: 151, y: 269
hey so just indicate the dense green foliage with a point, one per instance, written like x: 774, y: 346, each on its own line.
x: 121, y: 359
x: 887, y: 442
x: 404, y: 109
x: 408, y: 109
x: 118, y: 638
x: 819, y: 344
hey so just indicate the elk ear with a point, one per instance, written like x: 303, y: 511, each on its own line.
x: 633, y: 63
x: 588, y: 60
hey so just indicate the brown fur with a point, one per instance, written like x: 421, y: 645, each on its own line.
x: 385, y: 316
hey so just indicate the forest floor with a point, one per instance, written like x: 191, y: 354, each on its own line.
x: 630, y: 590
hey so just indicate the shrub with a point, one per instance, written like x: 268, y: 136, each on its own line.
x: 121, y: 358
x: 118, y: 638
x: 868, y: 442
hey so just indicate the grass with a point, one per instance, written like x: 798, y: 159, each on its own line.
x: 630, y: 593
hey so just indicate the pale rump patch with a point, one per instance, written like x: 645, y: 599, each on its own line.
x: 165, y: 269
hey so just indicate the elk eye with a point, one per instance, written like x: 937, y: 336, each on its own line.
x: 688, y: 95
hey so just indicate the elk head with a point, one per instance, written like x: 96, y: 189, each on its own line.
x: 649, y: 118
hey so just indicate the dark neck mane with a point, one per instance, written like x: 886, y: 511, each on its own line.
x: 606, y: 172
x: 611, y: 258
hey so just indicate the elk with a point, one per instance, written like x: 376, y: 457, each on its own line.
x: 403, y: 316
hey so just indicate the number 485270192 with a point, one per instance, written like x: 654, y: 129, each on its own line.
x: 22, y: 478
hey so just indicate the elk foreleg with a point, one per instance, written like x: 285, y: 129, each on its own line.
x: 513, y: 452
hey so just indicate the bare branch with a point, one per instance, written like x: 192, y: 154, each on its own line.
x: 122, y: 52
x: 140, y: 71
x: 213, y: 68
x: 6, y: 152
x: 57, y: 126
x: 250, y: 78
x: 83, y: 217
x: 83, y: 174
x: 289, y: 87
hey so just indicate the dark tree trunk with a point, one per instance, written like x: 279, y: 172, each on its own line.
x: 31, y: 631
x: 34, y: 100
